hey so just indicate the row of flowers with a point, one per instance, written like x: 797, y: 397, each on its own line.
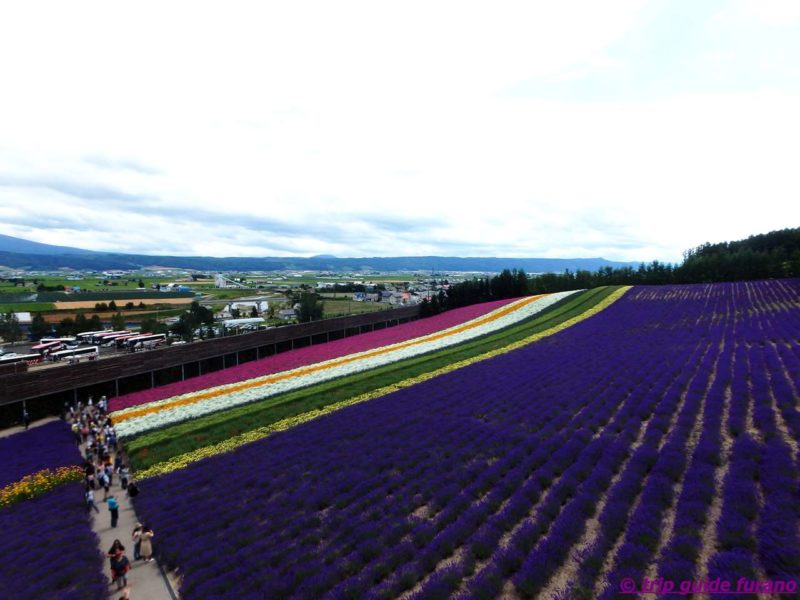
x: 184, y: 460
x: 38, y: 483
x: 311, y: 354
x: 162, y: 413
x: 50, y: 445
x: 207, y: 392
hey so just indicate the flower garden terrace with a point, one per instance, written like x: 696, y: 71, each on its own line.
x: 658, y: 438
x: 613, y: 435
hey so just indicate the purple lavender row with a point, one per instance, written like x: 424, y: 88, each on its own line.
x: 414, y: 489
x: 644, y: 527
x: 623, y: 495
x: 625, y: 429
x: 679, y: 558
x: 49, y: 549
x: 517, y: 497
x: 437, y: 426
x: 459, y: 531
x: 43, y: 447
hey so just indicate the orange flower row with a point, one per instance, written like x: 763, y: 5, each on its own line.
x: 245, y: 385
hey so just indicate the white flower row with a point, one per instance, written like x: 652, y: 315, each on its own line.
x: 327, y: 370
x: 333, y: 361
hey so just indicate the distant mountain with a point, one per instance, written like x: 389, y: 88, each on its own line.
x: 43, y: 257
x: 14, y: 244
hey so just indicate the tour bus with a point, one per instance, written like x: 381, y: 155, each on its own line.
x: 75, y: 354
x: 86, y: 336
x: 45, y: 346
x: 67, y: 341
x: 98, y: 338
x: 108, y: 340
x: 7, y: 359
x: 120, y: 341
x: 140, y: 342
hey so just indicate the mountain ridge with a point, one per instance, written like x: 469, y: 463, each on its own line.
x: 47, y: 257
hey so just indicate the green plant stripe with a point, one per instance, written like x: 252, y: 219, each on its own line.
x: 184, y: 460
x: 156, y: 446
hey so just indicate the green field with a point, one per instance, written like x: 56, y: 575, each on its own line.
x: 157, y: 446
x: 27, y: 307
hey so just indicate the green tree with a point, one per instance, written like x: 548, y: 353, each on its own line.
x: 141, y: 283
x: 39, y: 327
x: 117, y: 322
x: 94, y: 324
x: 10, y: 329
x: 153, y: 326
x: 66, y: 327
x: 112, y: 305
x: 254, y: 312
x: 192, y: 319
x: 311, y: 307
x: 81, y: 323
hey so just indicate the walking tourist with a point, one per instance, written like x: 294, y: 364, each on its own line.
x: 113, y: 507
x: 124, y: 473
x: 119, y: 564
x: 90, y: 500
x: 105, y: 483
x: 146, y: 548
x: 133, y: 489
x: 137, y: 541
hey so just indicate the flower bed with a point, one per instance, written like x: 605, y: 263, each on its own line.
x: 349, y: 392
x: 45, y: 446
x: 156, y: 450
x: 311, y: 354
x: 135, y: 420
x: 49, y: 549
x: 38, y: 483
x: 488, y: 476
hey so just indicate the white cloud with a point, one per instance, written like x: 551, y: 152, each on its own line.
x: 270, y: 128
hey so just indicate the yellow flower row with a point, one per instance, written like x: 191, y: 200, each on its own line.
x: 147, y: 409
x: 184, y: 460
x: 37, y: 483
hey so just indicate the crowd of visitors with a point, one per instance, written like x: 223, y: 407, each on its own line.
x: 94, y: 430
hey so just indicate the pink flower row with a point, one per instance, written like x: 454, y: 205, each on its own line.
x: 310, y: 354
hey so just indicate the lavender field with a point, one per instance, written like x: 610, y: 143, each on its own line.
x: 658, y: 438
x: 47, y: 446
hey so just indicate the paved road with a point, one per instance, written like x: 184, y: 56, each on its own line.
x: 146, y: 581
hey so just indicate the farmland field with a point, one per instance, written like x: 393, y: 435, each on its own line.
x: 658, y: 438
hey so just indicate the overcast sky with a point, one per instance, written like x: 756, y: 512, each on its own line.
x: 626, y: 129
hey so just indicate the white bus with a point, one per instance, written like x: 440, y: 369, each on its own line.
x: 8, y: 359
x: 86, y: 336
x: 67, y: 341
x: 108, y: 340
x: 75, y: 354
x: 45, y: 347
x: 98, y: 338
x: 144, y: 342
x: 120, y: 341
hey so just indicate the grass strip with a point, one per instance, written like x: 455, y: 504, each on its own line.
x: 155, y: 447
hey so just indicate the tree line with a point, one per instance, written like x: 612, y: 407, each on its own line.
x: 765, y: 256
